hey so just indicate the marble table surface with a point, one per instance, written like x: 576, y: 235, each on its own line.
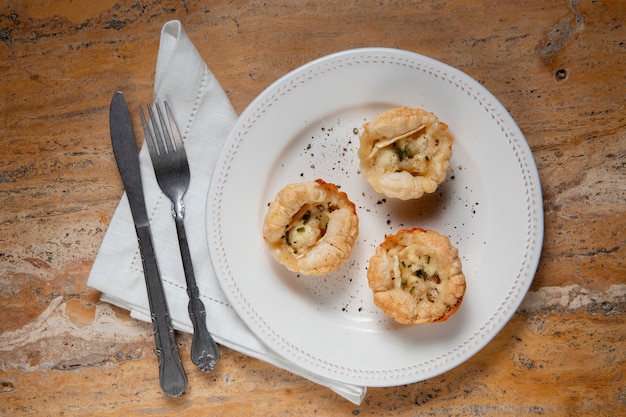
x: 557, y: 66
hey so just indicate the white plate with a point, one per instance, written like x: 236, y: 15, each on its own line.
x: 303, y: 127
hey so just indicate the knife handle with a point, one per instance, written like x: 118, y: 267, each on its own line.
x: 171, y: 373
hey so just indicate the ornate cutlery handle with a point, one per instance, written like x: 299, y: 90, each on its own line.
x: 171, y: 373
x: 204, y: 351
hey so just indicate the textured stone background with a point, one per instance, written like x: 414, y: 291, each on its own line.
x: 557, y: 66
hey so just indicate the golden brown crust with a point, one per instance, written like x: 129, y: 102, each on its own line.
x: 311, y: 227
x: 405, y: 152
x: 416, y: 277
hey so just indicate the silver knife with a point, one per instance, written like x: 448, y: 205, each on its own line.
x: 171, y: 373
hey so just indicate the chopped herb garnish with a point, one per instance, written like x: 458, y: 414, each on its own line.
x: 421, y: 274
x: 401, y: 153
x: 300, y: 229
x: 411, y: 290
x: 428, y: 259
x: 426, y: 157
x: 404, y: 282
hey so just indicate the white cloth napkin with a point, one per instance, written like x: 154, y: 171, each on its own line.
x: 204, y: 116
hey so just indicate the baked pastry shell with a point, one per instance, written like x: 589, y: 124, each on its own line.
x: 335, y: 245
x: 415, y: 168
x: 397, y: 299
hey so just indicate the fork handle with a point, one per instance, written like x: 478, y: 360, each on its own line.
x: 204, y: 351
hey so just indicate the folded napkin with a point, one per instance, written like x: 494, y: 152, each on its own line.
x: 204, y: 116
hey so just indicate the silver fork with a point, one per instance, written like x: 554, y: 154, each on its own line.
x: 172, y: 172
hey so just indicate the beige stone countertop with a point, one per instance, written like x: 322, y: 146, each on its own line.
x: 559, y: 67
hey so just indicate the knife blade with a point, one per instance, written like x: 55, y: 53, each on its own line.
x: 171, y: 373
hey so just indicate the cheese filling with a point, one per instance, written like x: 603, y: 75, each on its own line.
x: 416, y: 274
x: 307, y: 227
x: 411, y: 152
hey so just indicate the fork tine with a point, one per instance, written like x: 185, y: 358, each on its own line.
x: 156, y: 131
x: 165, y: 131
x: 178, y: 140
x: 149, y: 135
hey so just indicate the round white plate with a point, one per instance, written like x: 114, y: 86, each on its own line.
x: 306, y: 126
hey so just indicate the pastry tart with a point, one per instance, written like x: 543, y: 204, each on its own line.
x: 416, y: 277
x: 311, y: 227
x: 405, y: 152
